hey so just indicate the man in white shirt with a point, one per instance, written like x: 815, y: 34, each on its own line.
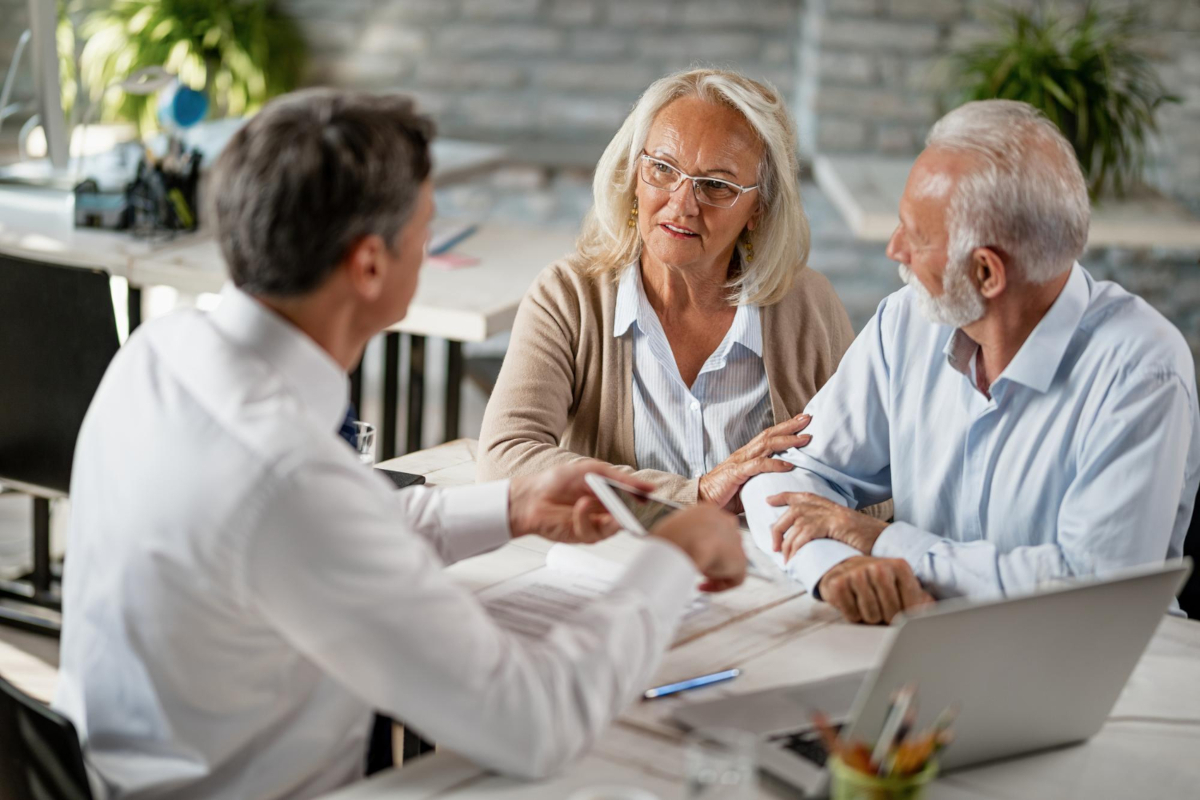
x: 242, y: 592
x: 1031, y: 423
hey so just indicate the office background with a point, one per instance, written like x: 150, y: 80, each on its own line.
x: 552, y: 80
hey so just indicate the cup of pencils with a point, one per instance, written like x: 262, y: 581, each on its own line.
x: 902, y: 762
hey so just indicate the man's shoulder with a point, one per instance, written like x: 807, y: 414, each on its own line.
x: 1126, y: 331
x: 181, y: 369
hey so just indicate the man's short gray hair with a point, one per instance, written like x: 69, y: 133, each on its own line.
x: 308, y: 177
x: 1027, y: 200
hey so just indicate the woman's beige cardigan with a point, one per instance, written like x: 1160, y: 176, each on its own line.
x: 564, y: 391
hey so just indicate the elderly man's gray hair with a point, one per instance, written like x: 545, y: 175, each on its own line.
x: 308, y: 177
x: 1027, y: 199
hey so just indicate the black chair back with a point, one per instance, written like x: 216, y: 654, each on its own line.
x: 40, y: 757
x: 1189, y: 598
x: 58, y: 332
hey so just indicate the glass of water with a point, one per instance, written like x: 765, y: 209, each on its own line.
x: 720, y: 763
x: 364, y: 442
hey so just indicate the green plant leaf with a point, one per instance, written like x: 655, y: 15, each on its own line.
x: 1084, y: 72
x: 1056, y: 90
x: 191, y: 38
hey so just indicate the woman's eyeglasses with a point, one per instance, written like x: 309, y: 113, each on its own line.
x: 710, y: 191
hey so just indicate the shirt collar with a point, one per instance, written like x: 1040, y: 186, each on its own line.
x: 747, y: 329
x: 632, y: 307
x: 629, y: 294
x: 311, y: 373
x: 958, y: 350
x: 1037, y: 362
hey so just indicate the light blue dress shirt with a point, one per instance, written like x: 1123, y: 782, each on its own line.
x: 690, y: 430
x: 1084, y: 460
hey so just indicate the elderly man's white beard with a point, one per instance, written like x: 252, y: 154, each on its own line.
x: 959, y: 305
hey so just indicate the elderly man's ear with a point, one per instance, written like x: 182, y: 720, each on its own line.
x: 989, y: 271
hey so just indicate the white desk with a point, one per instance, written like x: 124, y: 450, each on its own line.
x: 1149, y: 748
x: 469, y: 304
x: 867, y: 193
x: 39, y: 224
x: 464, y: 305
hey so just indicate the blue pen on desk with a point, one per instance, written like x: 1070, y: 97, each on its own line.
x: 438, y: 248
x: 691, y: 683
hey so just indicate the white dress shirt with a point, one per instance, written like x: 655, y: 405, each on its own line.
x: 690, y: 430
x: 1084, y: 459
x: 241, y: 592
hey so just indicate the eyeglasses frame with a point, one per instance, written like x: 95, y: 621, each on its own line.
x: 741, y: 190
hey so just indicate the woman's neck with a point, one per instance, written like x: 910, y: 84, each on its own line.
x: 696, y: 288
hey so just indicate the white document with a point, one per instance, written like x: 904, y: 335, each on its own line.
x: 531, y: 604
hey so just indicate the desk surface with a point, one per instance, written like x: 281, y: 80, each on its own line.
x: 468, y: 304
x: 1147, y: 749
x: 39, y: 223
x: 867, y: 193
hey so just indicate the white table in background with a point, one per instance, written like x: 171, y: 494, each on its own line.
x: 464, y: 305
x: 39, y: 223
x: 468, y: 304
x: 1148, y: 748
x: 866, y: 190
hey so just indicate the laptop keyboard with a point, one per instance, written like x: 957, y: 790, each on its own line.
x: 806, y: 744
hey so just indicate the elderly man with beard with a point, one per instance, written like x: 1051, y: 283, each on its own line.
x: 1031, y: 422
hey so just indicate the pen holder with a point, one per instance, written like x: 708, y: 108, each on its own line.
x: 850, y: 784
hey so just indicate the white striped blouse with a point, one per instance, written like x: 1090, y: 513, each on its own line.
x: 690, y: 430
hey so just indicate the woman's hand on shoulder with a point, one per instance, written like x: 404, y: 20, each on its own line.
x: 722, y: 487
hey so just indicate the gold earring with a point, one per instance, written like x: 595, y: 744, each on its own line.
x: 748, y: 246
x: 633, y: 212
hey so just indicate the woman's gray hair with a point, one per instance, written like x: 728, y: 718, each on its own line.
x: 781, y: 240
x: 1027, y: 199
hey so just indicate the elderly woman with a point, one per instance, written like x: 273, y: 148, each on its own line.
x: 686, y: 335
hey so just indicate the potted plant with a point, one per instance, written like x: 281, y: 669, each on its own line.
x: 1086, y: 73
x: 241, y: 52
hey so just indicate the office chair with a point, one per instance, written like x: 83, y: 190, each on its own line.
x: 40, y: 755
x: 1189, y: 598
x: 58, y: 332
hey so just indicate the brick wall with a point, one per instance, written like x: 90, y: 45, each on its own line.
x: 862, y: 74
x: 550, y: 70
x: 872, y: 70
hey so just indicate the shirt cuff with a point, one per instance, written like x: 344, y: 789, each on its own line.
x: 902, y: 540
x: 665, y: 576
x: 816, y: 558
x: 475, y: 518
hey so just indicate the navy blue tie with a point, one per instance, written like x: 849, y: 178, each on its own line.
x: 379, y: 745
x: 347, y: 431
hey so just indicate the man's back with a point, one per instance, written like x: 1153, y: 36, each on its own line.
x: 156, y: 579
x: 1084, y: 458
x: 243, y: 592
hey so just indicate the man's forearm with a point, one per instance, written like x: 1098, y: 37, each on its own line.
x: 972, y: 569
x: 813, y: 560
x: 458, y: 522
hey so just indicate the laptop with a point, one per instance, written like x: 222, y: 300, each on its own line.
x: 1027, y: 673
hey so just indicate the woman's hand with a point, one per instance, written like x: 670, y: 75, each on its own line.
x: 722, y: 487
